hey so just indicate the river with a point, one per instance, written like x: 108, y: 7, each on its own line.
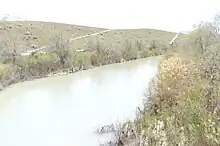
x: 67, y: 110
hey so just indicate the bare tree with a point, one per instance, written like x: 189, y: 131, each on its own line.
x: 63, y: 51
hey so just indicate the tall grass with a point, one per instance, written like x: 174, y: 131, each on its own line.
x: 183, y: 102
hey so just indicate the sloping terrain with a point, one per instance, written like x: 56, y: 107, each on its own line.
x: 118, y: 38
x: 26, y: 35
x: 22, y: 34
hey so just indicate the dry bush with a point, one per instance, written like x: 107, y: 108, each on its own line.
x: 129, y: 52
x: 106, y: 54
x: 84, y: 60
x: 63, y: 51
x: 173, y: 79
x: 39, y: 64
x: 9, y: 75
x: 175, y: 113
x: 112, y: 55
x: 182, y: 107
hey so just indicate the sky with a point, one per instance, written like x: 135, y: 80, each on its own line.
x: 170, y: 15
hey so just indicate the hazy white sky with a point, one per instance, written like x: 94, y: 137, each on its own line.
x: 172, y: 15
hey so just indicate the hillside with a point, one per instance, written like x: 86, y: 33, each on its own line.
x: 22, y: 34
x: 27, y: 35
x: 70, y: 48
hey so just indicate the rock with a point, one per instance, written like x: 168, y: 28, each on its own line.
x: 27, y: 33
x: 84, y: 50
x: 69, y: 28
x: 34, y: 46
x: 109, y: 143
x: 106, y: 129
x: 35, y: 38
x: 79, y: 50
x: 72, y: 70
x: 217, y: 120
x: 1, y: 28
x: 26, y: 38
x: 122, y: 60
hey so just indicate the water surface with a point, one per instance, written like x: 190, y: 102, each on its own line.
x: 66, y: 110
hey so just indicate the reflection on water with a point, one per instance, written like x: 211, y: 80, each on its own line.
x: 66, y: 110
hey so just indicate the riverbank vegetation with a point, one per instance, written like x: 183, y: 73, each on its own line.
x: 64, y: 56
x: 183, y: 102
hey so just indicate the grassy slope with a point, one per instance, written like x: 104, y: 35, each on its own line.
x: 117, y: 38
x: 13, y: 35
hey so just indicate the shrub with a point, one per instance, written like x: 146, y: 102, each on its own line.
x: 174, y: 75
x: 129, y: 52
x: 177, y: 110
x: 40, y: 64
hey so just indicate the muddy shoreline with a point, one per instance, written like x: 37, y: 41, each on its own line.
x: 57, y: 73
x: 63, y: 72
x: 52, y: 74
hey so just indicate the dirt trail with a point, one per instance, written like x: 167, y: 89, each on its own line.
x: 72, y: 39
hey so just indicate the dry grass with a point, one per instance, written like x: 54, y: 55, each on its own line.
x: 64, y: 58
x: 176, y: 111
x: 21, y: 35
x: 182, y: 106
x: 106, y: 48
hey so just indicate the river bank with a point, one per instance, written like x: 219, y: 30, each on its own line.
x: 64, y: 61
x: 182, y: 103
x: 68, y: 109
x: 58, y: 73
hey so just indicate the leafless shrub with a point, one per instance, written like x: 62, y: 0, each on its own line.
x: 62, y: 49
x: 129, y: 52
